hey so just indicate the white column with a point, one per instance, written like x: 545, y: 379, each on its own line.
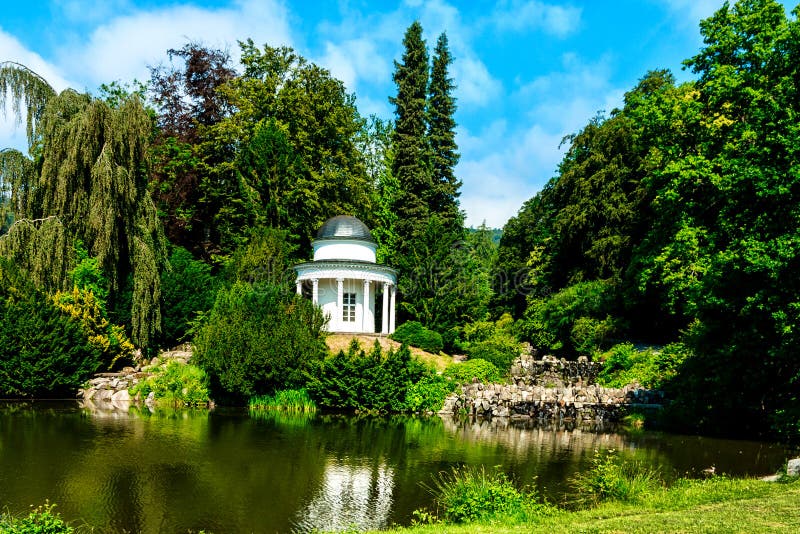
x: 391, y: 309
x: 365, y: 311
x: 299, y: 285
x: 315, y: 290
x: 339, y: 300
x: 385, y: 316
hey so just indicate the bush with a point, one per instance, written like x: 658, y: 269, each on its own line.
x: 187, y: 289
x: 256, y: 341
x: 610, y: 478
x: 479, y: 368
x: 500, y: 350
x: 391, y: 382
x: 43, y: 352
x: 573, y: 321
x: 651, y: 368
x: 176, y: 383
x: 40, y: 520
x: 428, y: 394
x: 416, y: 335
x: 468, y: 495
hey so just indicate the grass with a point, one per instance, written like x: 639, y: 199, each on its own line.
x: 717, y: 504
x: 289, y: 400
x: 337, y: 342
x: 714, y: 505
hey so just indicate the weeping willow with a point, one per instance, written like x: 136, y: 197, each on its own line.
x: 87, y: 180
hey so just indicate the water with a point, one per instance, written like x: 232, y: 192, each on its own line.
x: 223, y: 471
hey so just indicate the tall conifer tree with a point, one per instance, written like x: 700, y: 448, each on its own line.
x: 443, y: 196
x: 410, y: 166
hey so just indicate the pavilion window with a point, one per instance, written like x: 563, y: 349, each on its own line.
x: 349, y: 307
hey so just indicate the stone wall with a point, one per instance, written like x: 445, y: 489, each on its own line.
x: 550, y: 390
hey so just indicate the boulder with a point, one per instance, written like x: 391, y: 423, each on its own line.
x: 793, y: 467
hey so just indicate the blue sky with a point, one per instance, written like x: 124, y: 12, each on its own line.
x: 528, y: 72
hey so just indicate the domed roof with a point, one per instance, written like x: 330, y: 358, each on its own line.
x: 344, y: 227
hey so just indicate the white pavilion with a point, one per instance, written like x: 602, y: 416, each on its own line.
x: 346, y: 281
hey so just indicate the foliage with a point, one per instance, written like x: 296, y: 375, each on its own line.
x: 652, y: 368
x: 416, y: 335
x: 574, y: 321
x: 493, y: 342
x: 470, y: 495
x: 679, y: 203
x: 296, y: 163
x: 428, y: 393
x: 441, y: 108
x: 108, y: 339
x: 187, y: 290
x: 477, y: 368
x: 290, y: 400
x: 40, y: 520
x: 258, y: 340
x: 187, y: 100
x: 176, y: 383
x: 90, y: 174
x: 43, y: 352
x: 390, y: 382
x: 265, y: 259
x: 613, y: 478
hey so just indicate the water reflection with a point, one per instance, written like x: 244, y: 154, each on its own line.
x: 225, y: 471
x: 350, y: 496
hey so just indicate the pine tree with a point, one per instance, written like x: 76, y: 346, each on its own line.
x: 410, y: 165
x: 444, y: 193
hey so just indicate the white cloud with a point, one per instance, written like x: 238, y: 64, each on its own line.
x: 474, y: 84
x: 534, y: 15
x: 356, y: 60
x: 692, y: 11
x: 124, y: 47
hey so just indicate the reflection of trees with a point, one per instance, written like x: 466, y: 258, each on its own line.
x: 172, y: 471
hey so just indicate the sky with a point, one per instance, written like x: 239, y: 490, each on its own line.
x: 528, y: 72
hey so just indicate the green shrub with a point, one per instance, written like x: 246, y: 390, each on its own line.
x: 355, y: 380
x: 416, y: 335
x: 651, y: 368
x: 428, y: 394
x: 574, y: 320
x: 611, y: 478
x: 500, y: 350
x: 187, y: 289
x: 258, y: 340
x: 479, y: 368
x: 43, y: 352
x: 468, y: 495
x: 289, y: 400
x: 40, y: 520
x: 177, y: 383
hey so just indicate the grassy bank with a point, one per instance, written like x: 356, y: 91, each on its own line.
x: 714, y: 505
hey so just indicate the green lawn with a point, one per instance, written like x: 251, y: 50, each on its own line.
x: 715, y: 505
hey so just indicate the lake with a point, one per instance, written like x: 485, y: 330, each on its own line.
x: 225, y: 471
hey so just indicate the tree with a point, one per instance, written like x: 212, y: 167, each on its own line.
x: 187, y: 100
x: 299, y: 163
x: 410, y: 165
x: 87, y: 180
x: 258, y: 340
x: 43, y: 352
x: 443, y: 197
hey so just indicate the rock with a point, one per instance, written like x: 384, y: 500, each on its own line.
x: 103, y: 395
x: 121, y: 396
x: 151, y: 398
x: 793, y: 467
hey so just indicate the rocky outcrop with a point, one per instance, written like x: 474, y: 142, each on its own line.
x: 110, y: 390
x: 551, y: 390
